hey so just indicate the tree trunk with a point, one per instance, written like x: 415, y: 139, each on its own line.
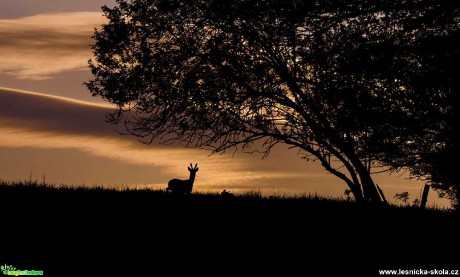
x: 357, y: 193
x: 381, y: 194
x: 370, y: 191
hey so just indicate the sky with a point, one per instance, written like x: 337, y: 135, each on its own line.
x: 52, y: 129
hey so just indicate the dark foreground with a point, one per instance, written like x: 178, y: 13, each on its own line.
x: 68, y: 232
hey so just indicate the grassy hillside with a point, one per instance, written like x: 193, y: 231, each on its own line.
x: 71, y: 231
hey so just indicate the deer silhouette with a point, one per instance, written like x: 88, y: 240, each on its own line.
x: 183, y: 186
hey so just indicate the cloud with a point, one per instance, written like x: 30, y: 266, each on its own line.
x: 37, y: 47
x: 30, y: 120
x: 34, y: 120
x: 41, y: 112
x: 21, y: 8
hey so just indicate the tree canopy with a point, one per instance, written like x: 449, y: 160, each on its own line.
x: 434, y: 149
x: 347, y: 83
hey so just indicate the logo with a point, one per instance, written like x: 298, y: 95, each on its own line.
x: 12, y: 271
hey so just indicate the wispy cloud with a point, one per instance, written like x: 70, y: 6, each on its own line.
x: 217, y: 172
x: 21, y: 8
x: 37, y: 47
x: 33, y: 120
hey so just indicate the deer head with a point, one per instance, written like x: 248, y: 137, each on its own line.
x: 193, y: 169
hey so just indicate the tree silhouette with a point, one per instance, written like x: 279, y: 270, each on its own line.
x: 325, y: 77
x: 432, y: 79
x: 416, y: 57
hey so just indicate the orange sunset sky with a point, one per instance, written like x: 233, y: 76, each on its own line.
x: 51, y: 127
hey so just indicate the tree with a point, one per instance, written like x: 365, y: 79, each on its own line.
x: 315, y: 75
x: 434, y: 149
x: 420, y: 54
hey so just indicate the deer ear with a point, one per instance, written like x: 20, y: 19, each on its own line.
x: 196, y: 165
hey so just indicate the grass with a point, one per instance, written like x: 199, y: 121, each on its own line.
x: 53, y: 192
x: 68, y: 230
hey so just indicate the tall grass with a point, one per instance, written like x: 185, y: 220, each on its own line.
x: 156, y: 194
